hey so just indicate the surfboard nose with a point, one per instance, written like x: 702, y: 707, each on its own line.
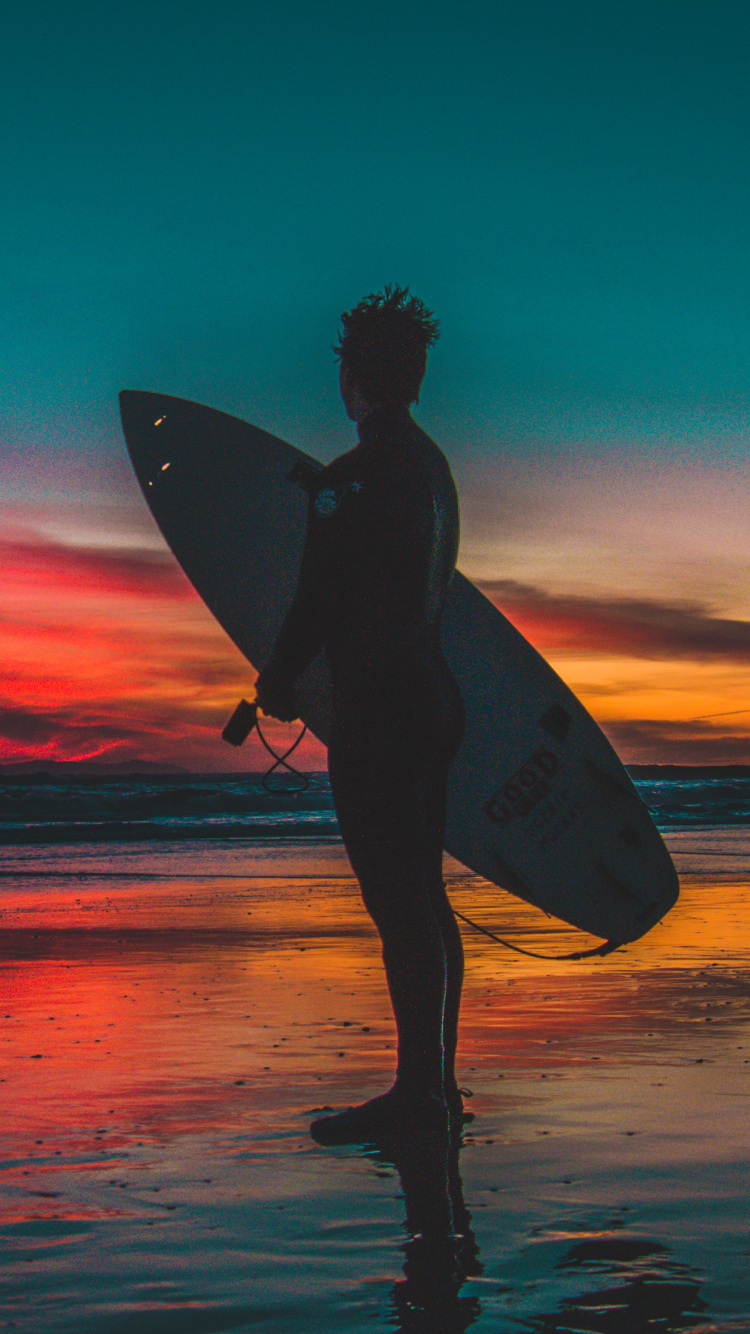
x: 142, y: 415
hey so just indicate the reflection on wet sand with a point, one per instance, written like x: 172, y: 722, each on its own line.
x: 636, y: 1305
x: 164, y: 1046
x: 440, y: 1251
x: 646, y: 1288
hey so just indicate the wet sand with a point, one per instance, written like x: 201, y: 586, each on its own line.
x: 169, y: 1024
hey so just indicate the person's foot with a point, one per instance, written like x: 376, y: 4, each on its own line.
x: 392, y: 1115
x: 458, y: 1114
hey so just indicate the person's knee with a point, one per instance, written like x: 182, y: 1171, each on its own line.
x: 399, y: 920
x: 401, y: 910
x: 440, y: 901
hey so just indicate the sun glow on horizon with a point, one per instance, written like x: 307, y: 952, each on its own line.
x: 109, y: 651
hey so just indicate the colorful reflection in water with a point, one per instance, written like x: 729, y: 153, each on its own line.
x: 164, y: 1042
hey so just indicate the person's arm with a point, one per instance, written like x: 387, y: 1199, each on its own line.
x: 304, y: 627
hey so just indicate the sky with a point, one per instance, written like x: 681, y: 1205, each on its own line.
x: 193, y: 193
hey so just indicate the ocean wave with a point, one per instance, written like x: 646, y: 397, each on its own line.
x: 40, y: 808
x: 690, y: 802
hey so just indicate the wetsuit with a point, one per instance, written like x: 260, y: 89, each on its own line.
x: 379, y: 555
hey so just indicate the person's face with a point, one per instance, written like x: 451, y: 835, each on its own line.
x: 357, y: 407
x: 350, y: 394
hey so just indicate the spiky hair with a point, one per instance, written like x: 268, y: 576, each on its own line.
x: 383, y: 345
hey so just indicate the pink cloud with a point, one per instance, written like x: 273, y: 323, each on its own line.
x: 124, y: 572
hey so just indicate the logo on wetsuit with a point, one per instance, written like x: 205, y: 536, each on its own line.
x: 328, y: 500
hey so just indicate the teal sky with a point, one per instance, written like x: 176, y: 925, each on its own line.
x: 193, y: 192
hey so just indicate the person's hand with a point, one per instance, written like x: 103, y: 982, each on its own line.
x: 276, y: 700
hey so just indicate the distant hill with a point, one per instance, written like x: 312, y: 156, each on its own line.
x: 97, y: 768
x: 677, y: 771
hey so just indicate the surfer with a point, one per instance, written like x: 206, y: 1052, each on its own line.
x: 380, y: 549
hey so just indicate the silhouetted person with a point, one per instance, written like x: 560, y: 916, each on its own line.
x: 380, y: 550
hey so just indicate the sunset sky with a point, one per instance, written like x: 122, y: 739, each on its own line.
x: 193, y: 193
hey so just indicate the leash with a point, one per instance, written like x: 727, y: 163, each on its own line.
x: 600, y: 951
x: 304, y: 781
x: 238, y: 729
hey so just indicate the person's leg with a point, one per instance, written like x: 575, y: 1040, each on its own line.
x: 377, y: 789
x: 388, y: 767
x: 436, y: 800
x: 454, y: 961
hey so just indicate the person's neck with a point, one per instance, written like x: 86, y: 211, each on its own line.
x: 360, y: 408
x: 379, y: 415
x: 381, y: 409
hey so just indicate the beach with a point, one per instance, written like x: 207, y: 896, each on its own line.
x: 174, y: 1013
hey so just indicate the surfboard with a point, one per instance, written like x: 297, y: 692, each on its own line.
x: 539, y: 802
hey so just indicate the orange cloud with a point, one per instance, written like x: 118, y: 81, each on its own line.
x: 661, y: 740
x: 633, y: 627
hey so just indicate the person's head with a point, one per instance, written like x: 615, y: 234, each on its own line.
x: 383, y: 350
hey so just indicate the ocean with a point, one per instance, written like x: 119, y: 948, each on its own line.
x: 79, y: 823
x: 46, y: 807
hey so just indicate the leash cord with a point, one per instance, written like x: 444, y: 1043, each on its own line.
x: 601, y: 950
x: 280, y: 760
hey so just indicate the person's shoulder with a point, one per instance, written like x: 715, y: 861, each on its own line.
x: 431, y: 458
x: 423, y: 440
